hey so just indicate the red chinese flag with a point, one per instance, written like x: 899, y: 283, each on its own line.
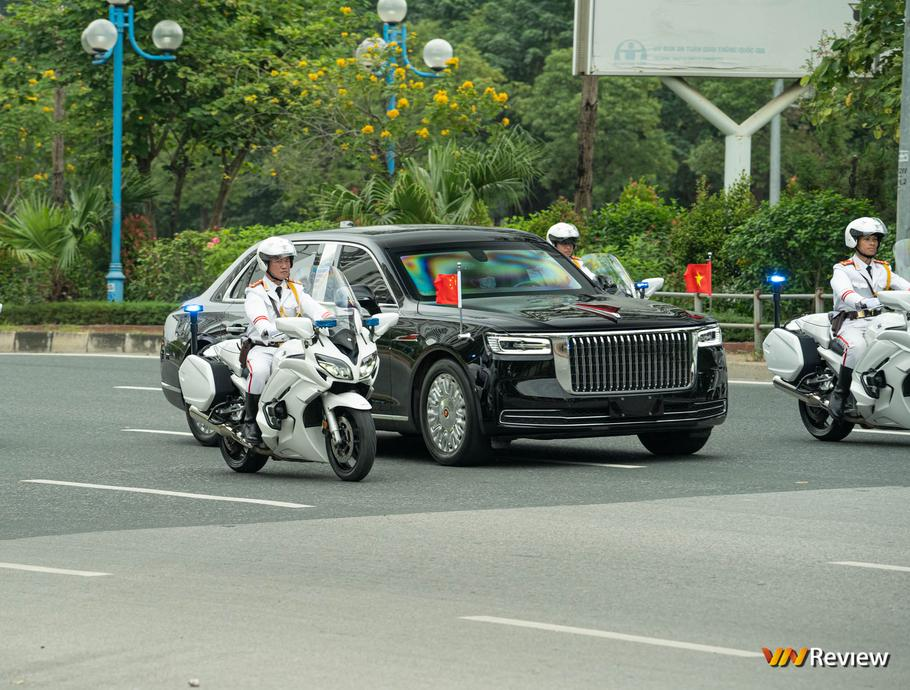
x: 698, y: 278
x: 446, y: 285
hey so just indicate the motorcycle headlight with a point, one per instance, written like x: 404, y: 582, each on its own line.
x: 368, y: 365
x: 709, y: 337
x: 334, y: 367
x: 517, y: 345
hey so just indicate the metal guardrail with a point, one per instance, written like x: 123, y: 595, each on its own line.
x: 757, y: 296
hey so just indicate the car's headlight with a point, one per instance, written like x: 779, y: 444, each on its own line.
x: 517, y: 344
x: 334, y: 367
x: 709, y: 337
x: 368, y: 365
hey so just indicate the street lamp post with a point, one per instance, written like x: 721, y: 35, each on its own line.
x: 103, y: 39
x: 436, y: 53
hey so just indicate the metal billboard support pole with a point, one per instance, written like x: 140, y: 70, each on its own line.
x: 774, y: 163
x: 902, y: 243
x: 738, y: 154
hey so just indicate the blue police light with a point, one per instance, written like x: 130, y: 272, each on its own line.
x: 777, y: 279
x: 193, y: 308
x: 372, y: 321
x: 325, y: 323
x: 643, y: 285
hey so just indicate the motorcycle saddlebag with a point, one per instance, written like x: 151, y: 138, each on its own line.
x: 204, y: 382
x: 790, y: 355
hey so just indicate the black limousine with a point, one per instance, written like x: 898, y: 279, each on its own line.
x: 536, y: 351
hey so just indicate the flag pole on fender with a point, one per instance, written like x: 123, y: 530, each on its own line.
x: 711, y: 273
x: 458, y: 287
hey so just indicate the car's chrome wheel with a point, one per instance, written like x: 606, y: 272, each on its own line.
x: 446, y: 413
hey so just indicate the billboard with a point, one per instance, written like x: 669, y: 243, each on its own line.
x: 707, y: 38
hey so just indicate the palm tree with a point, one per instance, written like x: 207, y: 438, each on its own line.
x: 457, y: 186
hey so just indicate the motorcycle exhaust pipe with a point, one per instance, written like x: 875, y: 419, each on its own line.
x: 811, y: 400
x: 221, y: 429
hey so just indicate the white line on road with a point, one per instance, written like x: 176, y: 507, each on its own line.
x: 587, y: 464
x: 743, y: 382
x: 160, y: 492
x: 52, y: 571
x: 139, y: 388
x: 710, y: 649
x: 896, y: 432
x: 875, y: 566
x: 159, y: 431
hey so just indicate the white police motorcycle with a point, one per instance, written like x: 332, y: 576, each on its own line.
x: 805, y: 358
x: 315, y: 406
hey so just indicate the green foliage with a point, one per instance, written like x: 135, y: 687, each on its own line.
x: 708, y: 224
x: 639, y: 212
x: 561, y: 210
x: 225, y: 245
x: 457, y: 186
x: 87, y: 313
x: 802, y: 235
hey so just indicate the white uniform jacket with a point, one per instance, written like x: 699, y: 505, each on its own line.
x: 263, y: 305
x: 852, y: 282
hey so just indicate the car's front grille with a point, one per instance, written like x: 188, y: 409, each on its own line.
x: 630, y: 362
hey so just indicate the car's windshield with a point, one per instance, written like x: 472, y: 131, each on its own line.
x: 489, y: 269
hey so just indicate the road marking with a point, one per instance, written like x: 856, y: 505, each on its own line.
x: 52, y: 571
x: 882, y: 431
x: 75, y: 354
x: 709, y: 649
x: 875, y: 566
x: 160, y: 492
x: 588, y: 464
x: 138, y: 388
x: 743, y: 382
x: 159, y: 431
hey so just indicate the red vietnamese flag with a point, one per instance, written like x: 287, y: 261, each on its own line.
x: 698, y: 278
x: 446, y: 285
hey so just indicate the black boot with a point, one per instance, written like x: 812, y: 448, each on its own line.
x: 250, y: 430
x: 841, y: 394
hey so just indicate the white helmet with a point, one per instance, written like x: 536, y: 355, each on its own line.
x: 864, y: 226
x: 562, y: 232
x: 274, y: 248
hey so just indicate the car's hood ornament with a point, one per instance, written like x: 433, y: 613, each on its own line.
x: 605, y: 310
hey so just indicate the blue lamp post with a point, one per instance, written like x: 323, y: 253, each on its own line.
x: 436, y: 53
x: 103, y: 39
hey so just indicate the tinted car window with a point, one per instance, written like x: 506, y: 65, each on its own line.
x: 359, y: 268
x: 516, y: 268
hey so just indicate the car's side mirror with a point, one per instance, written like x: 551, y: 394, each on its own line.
x: 382, y: 322
x: 366, y: 298
x: 654, y: 284
x: 296, y: 327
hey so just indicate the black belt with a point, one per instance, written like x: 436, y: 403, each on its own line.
x: 863, y: 313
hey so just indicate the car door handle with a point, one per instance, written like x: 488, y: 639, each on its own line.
x: 236, y: 329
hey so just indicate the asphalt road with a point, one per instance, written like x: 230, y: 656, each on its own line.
x: 576, y: 564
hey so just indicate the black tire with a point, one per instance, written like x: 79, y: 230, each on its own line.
x: 822, y: 425
x: 449, y: 418
x: 201, y: 432
x: 675, y: 442
x: 352, y: 460
x: 241, y: 459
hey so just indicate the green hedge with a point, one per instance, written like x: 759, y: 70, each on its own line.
x: 87, y: 313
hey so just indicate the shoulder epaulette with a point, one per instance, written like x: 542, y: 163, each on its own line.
x: 885, y: 263
x: 846, y: 262
x: 257, y: 283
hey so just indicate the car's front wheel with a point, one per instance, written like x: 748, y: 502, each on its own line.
x: 675, y: 442
x: 449, y: 418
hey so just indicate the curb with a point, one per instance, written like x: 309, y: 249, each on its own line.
x: 75, y: 342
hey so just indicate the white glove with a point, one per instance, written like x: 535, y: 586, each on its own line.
x: 273, y: 335
x: 872, y: 303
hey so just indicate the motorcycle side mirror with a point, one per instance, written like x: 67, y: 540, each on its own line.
x: 381, y: 323
x: 654, y: 284
x: 296, y: 327
x: 366, y: 298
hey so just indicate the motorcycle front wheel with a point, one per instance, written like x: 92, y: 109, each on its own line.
x: 241, y: 459
x: 822, y: 425
x: 352, y: 458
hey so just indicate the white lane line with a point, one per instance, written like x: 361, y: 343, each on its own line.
x: 874, y: 566
x: 139, y: 388
x: 159, y: 431
x: 75, y: 354
x: 882, y: 431
x: 587, y: 464
x: 709, y: 649
x: 160, y: 492
x: 52, y: 571
x: 744, y: 382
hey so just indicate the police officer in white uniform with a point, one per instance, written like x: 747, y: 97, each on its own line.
x: 855, y: 284
x: 564, y: 236
x: 274, y: 296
